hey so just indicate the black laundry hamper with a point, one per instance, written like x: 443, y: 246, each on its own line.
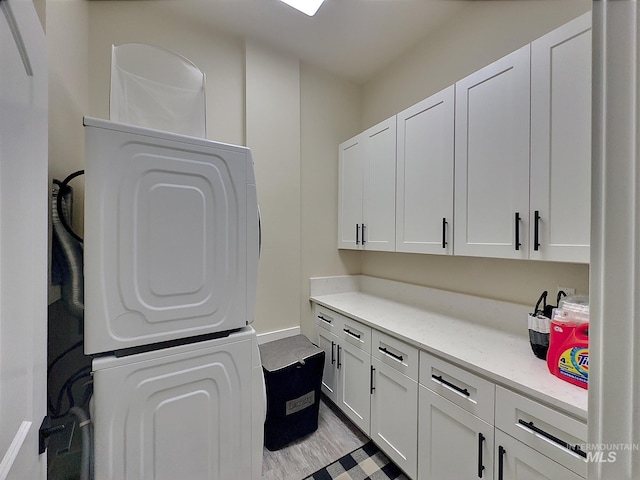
x: 293, y: 369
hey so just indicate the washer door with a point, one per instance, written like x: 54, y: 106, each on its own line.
x: 176, y: 414
x: 165, y: 236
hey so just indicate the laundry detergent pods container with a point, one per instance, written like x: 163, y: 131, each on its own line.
x: 568, y: 355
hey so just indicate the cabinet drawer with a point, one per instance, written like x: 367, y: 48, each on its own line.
x: 546, y: 430
x: 395, y: 353
x: 328, y: 319
x: 476, y: 395
x: 356, y: 333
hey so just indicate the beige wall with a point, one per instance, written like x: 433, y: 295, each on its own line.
x: 273, y: 134
x: 330, y: 112
x: 479, y: 35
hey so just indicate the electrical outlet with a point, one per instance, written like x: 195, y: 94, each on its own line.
x: 567, y: 290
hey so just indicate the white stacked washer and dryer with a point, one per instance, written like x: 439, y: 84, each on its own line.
x: 171, y: 256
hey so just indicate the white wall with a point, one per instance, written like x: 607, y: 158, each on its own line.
x: 479, y: 35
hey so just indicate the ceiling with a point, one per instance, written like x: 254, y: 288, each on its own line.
x: 352, y: 38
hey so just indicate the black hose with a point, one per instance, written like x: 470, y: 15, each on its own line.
x: 63, y: 220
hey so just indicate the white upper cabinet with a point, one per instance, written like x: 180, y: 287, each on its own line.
x: 424, y: 183
x: 367, y: 189
x: 351, y: 158
x: 492, y: 159
x: 561, y: 143
x: 379, y: 203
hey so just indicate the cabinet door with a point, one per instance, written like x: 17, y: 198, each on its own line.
x: 453, y: 443
x: 328, y: 342
x: 424, y: 180
x: 561, y: 143
x: 354, y: 384
x: 516, y: 461
x: 394, y: 411
x: 350, y: 191
x: 492, y: 159
x: 379, y: 201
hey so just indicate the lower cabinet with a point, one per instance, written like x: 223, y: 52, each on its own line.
x: 353, y: 367
x: 437, y: 421
x: 517, y: 461
x: 346, y: 380
x: 454, y: 444
x: 328, y: 342
x: 534, y: 441
x: 394, y: 406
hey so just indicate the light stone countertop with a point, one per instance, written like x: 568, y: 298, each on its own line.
x: 502, y: 357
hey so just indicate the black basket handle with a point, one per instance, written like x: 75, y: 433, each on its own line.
x: 543, y: 298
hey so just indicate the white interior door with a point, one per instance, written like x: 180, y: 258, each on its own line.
x: 23, y: 239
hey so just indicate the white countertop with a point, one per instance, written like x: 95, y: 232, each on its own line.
x: 503, y: 357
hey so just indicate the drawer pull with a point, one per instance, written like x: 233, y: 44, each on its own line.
x: 391, y: 354
x: 324, y: 319
x: 463, y: 391
x: 501, y: 452
x: 480, y: 465
x: 573, y: 448
x: 355, y: 335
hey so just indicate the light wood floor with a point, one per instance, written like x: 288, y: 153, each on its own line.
x: 336, y: 436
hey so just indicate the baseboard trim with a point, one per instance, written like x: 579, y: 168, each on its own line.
x: 277, y: 335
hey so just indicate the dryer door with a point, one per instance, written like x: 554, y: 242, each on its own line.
x: 165, y: 236
x: 176, y: 413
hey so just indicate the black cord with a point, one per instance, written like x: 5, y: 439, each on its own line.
x: 79, y: 375
x: 61, y: 356
x: 61, y: 191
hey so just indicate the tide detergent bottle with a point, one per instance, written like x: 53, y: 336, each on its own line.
x: 568, y: 355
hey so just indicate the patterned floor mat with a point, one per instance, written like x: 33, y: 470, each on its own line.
x: 365, y: 463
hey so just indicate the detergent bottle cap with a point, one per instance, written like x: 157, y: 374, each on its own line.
x: 574, y: 308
